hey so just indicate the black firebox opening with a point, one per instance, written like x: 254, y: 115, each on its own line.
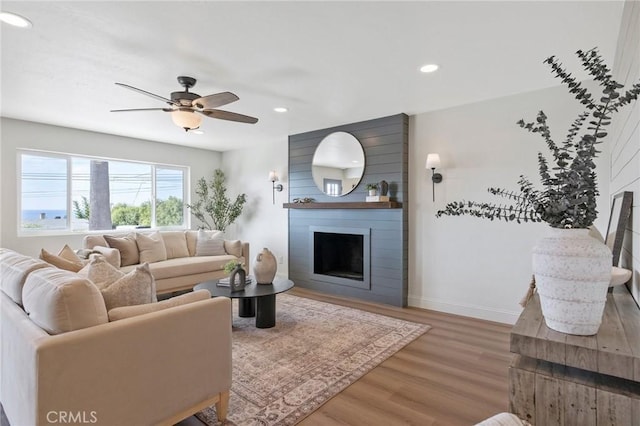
x: 338, y: 255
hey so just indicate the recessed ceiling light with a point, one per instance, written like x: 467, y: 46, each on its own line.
x: 15, y: 20
x: 197, y: 132
x: 280, y: 109
x: 355, y: 161
x: 429, y: 68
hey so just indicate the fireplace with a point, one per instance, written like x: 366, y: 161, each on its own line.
x: 340, y: 255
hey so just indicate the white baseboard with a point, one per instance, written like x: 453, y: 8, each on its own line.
x: 473, y: 311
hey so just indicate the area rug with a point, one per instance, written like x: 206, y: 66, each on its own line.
x: 282, y: 374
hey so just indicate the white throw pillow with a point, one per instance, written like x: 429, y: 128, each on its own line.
x: 151, y: 247
x: 233, y: 247
x: 112, y: 255
x: 135, y: 288
x: 210, y: 243
x: 100, y: 271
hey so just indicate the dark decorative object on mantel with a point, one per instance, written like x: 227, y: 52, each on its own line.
x: 303, y: 200
x: 383, y: 187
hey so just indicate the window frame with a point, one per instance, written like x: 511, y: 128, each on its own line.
x: 68, y: 157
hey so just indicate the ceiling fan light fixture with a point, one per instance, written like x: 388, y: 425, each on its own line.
x: 186, y: 119
x: 429, y: 68
x: 15, y: 20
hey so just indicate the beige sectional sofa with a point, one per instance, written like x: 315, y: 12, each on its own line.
x: 183, y: 267
x: 63, y: 361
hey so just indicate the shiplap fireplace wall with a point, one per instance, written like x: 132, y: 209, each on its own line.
x: 384, y: 230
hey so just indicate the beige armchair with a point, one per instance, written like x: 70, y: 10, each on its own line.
x: 157, y: 368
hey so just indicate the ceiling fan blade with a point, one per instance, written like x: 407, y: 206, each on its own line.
x: 214, y: 101
x: 231, y: 116
x: 142, y: 109
x: 144, y: 92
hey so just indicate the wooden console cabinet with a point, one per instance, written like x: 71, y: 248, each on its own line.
x: 562, y: 379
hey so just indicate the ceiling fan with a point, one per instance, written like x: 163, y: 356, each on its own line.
x: 186, y: 107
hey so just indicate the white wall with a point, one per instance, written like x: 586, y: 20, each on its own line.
x: 466, y: 265
x: 625, y: 137
x: 24, y: 134
x: 262, y: 223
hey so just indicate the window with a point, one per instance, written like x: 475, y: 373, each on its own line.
x: 73, y: 193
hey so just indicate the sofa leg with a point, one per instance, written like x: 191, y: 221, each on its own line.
x: 222, y: 406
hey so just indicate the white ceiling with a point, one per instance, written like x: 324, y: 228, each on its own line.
x: 330, y: 63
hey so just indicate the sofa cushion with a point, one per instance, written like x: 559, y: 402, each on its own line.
x: 151, y: 247
x: 175, y: 243
x: 171, y: 268
x: 92, y: 240
x: 135, y: 288
x: 100, y: 272
x: 233, y: 247
x: 66, y: 259
x: 59, y: 301
x: 210, y: 243
x: 191, y: 237
x: 112, y: 255
x: 14, y: 269
x: 127, y: 246
x: 132, y: 311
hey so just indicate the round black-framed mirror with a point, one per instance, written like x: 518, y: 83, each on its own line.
x: 338, y: 164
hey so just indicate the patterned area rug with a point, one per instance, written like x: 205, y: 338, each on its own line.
x: 282, y: 374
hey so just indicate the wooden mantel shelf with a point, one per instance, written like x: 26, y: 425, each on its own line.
x: 345, y: 205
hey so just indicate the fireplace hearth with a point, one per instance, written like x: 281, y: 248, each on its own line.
x: 340, y: 255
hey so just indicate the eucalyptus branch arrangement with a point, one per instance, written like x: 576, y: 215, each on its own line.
x: 213, y: 208
x: 568, y: 199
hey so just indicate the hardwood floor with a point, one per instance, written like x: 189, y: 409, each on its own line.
x: 455, y: 374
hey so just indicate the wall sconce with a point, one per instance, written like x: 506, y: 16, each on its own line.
x: 433, y: 162
x: 273, y: 177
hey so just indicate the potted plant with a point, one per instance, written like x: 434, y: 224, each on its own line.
x: 572, y: 270
x: 373, y: 189
x: 213, y: 208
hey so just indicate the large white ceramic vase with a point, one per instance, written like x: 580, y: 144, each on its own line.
x: 572, y: 272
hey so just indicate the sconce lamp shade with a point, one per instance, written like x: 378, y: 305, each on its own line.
x: 188, y: 120
x: 433, y: 161
x: 273, y: 177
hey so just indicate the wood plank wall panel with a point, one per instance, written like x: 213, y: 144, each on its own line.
x: 624, y: 137
x: 385, y: 142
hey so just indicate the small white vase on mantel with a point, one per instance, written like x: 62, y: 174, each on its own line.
x: 572, y: 272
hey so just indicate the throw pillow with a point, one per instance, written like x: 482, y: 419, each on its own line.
x: 151, y: 247
x: 233, y: 247
x: 135, y: 288
x: 100, y: 272
x: 210, y: 243
x: 111, y: 254
x: 176, y: 244
x: 127, y: 246
x: 133, y: 311
x: 63, y: 260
